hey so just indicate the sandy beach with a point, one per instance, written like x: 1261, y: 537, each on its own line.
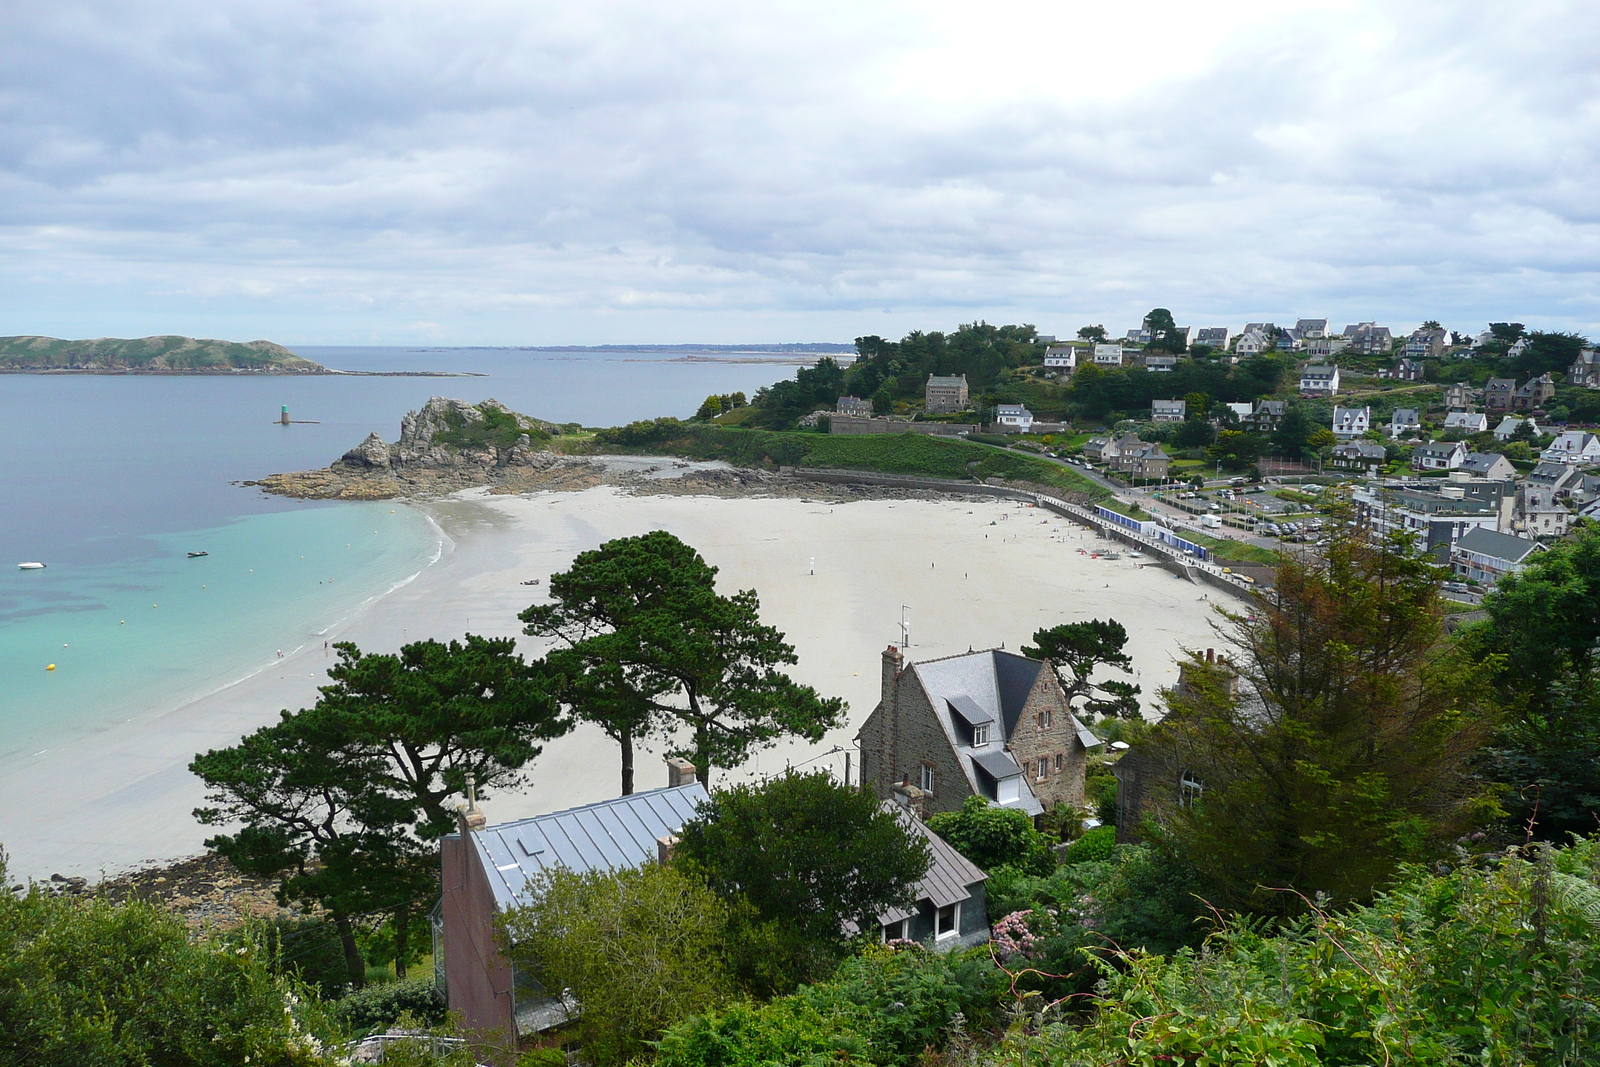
x: 832, y: 576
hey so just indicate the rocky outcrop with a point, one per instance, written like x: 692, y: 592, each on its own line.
x: 444, y: 446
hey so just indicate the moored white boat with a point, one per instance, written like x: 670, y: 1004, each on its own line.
x: 30, y: 566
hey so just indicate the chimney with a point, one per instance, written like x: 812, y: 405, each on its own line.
x: 665, y: 847
x: 472, y: 816
x: 912, y: 798
x: 1211, y: 655
x: 893, y: 663
x: 680, y: 772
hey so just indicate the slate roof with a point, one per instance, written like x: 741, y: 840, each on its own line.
x: 994, y: 683
x: 611, y: 835
x: 950, y: 875
x: 1498, y: 545
x: 1480, y: 462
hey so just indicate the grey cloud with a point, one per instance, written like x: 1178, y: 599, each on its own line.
x: 501, y: 167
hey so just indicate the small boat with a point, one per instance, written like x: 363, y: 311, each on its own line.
x: 1110, y: 555
x: 532, y: 581
x: 196, y: 555
x: 30, y: 566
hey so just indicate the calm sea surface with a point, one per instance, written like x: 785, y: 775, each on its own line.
x: 110, y: 481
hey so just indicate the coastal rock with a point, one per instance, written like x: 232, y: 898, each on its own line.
x: 371, y: 453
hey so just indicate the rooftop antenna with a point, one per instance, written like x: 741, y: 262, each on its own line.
x: 905, y: 625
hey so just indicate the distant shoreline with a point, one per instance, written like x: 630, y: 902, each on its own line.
x: 239, y: 372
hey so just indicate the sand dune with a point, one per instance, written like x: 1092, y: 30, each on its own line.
x: 833, y: 577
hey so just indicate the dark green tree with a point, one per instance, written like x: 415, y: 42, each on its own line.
x: 1540, y: 644
x: 342, y: 800
x: 1164, y: 336
x: 1092, y: 333
x: 1292, y: 437
x: 993, y: 837
x: 650, y: 644
x: 811, y: 858
x: 1075, y: 650
x: 594, y: 605
x: 1336, y: 743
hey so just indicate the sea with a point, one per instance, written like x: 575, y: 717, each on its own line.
x: 112, y: 481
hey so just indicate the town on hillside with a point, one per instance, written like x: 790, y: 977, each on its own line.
x: 1484, y: 446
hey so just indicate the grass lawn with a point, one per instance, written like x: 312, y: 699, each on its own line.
x: 911, y: 454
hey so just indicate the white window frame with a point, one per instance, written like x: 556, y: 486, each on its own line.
x: 955, y: 921
x: 1041, y: 769
x: 895, y: 931
x: 926, y: 779
x: 980, y: 735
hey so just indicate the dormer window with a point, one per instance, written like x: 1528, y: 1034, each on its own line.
x: 980, y: 735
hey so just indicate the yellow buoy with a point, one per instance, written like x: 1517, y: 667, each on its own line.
x: 51, y: 667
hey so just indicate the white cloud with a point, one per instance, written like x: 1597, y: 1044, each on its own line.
x: 538, y: 172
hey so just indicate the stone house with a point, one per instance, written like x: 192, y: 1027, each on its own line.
x: 1585, y: 370
x: 1457, y: 396
x: 853, y: 405
x: 1498, y: 394
x: 1360, y: 456
x: 992, y: 724
x: 1146, y: 460
x: 941, y: 396
x: 1532, y: 395
x: 1267, y: 415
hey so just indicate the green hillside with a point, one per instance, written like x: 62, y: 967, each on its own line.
x: 151, y: 355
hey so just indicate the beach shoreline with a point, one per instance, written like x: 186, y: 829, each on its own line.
x: 832, y: 573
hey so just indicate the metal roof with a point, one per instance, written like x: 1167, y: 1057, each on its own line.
x: 1497, y: 545
x: 950, y: 876
x: 611, y: 835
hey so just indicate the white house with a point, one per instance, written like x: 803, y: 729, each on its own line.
x: 1253, y: 343
x: 1014, y: 417
x: 1157, y: 363
x: 1243, y: 411
x: 1311, y: 329
x: 1351, y: 422
x: 1438, y: 456
x: 1538, y: 515
x: 1108, y: 355
x: 1469, y: 421
x: 1490, y: 466
x: 1317, y: 378
x: 1168, y: 410
x: 1573, y: 446
x: 1061, y: 357
x: 1507, y: 426
x: 1404, y: 421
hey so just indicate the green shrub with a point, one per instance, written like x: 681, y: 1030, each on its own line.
x: 377, y: 1007
x: 884, y: 1007
x: 309, y: 949
x: 89, y: 982
x: 498, y: 428
x: 1092, y: 847
x: 992, y: 836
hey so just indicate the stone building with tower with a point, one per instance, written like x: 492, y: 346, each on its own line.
x: 992, y: 724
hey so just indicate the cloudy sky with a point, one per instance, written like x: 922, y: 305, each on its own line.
x: 523, y: 172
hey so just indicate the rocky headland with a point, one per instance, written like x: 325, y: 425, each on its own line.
x: 150, y: 355
x: 450, y: 445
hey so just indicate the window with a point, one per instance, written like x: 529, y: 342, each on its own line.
x: 926, y: 779
x: 895, y: 931
x: 980, y: 735
x: 1058, y: 763
x: 947, y: 921
x: 1044, y: 766
x: 1190, y: 789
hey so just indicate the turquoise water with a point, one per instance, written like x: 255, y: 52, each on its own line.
x: 110, y: 480
x: 148, y: 634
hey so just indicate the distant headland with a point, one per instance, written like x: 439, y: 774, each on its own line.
x: 168, y: 354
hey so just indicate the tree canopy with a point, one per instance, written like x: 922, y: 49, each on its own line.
x: 341, y: 801
x: 1076, y: 650
x: 811, y: 857
x: 1337, y: 741
x: 993, y: 837
x: 1539, y: 645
